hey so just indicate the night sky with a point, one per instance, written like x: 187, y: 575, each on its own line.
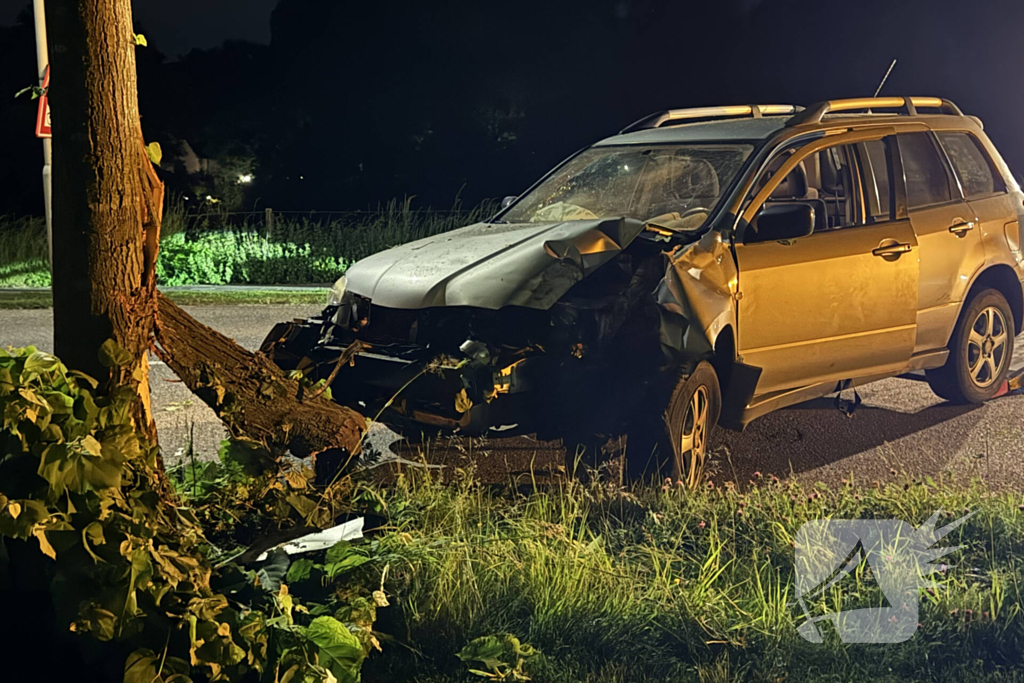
x: 177, y: 26
x: 335, y: 105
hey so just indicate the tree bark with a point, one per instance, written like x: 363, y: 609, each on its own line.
x: 249, y: 393
x: 102, y: 275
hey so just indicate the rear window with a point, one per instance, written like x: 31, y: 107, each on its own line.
x: 924, y: 170
x: 972, y: 165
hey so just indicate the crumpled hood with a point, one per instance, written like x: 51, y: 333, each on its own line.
x: 492, y: 265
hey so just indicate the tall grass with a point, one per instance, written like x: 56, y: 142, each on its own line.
x: 216, y: 248
x: 23, y: 252
x: 671, y: 585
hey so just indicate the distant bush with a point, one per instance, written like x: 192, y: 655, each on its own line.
x: 221, y: 258
x: 214, y: 249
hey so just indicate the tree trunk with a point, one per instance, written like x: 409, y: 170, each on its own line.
x: 102, y: 274
x: 249, y: 393
x: 107, y: 208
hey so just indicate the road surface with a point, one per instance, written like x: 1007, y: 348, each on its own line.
x: 901, y: 426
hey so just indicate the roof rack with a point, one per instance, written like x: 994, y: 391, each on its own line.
x: 815, y: 113
x: 727, y: 112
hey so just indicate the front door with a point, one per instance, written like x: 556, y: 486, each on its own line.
x: 840, y: 303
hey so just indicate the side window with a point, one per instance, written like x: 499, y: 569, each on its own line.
x: 824, y: 180
x: 873, y: 160
x: 972, y: 165
x: 924, y: 170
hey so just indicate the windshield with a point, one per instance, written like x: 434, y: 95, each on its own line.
x: 673, y: 186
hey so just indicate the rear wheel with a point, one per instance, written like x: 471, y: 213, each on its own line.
x: 671, y: 440
x: 979, y: 351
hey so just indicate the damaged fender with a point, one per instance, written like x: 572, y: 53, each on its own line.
x: 696, y: 297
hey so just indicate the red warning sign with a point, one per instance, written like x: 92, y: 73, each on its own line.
x: 43, y: 116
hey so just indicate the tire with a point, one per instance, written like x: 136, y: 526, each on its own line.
x: 672, y: 439
x: 980, y: 351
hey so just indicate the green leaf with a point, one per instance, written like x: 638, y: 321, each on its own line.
x: 340, y: 650
x: 96, y: 620
x: 37, y: 91
x: 273, y: 570
x: 252, y: 458
x: 85, y: 378
x: 20, y: 516
x: 348, y: 564
x: 142, y: 666
x: 491, y: 651
x: 154, y: 153
x: 40, y: 363
x: 112, y: 355
x: 75, y: 468
x: 145, y: 666
x: 300, y: 570
x: 141, y: 40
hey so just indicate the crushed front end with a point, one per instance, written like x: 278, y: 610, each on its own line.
x: 577, y: 365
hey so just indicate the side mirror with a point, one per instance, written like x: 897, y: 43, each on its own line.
x: 507, y: 201
x: 780, y: 222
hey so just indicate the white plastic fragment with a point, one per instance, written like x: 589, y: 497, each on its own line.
x: 321, y: 540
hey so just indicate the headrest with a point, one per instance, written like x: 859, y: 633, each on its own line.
x: 831, y: 181
x: 793, y: 186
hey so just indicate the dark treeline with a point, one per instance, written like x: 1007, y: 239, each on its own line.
x: 354, y: 103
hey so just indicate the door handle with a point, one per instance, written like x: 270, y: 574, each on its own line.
x: 892, y: 249
x: 961, y: 227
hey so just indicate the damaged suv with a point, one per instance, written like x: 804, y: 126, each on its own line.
x: 702, y: 267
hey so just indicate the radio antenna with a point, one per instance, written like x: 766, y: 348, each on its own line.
x: 885, y: 77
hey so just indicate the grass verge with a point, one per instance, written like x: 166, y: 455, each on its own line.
x: 199, y: 297
x: 671, y: 585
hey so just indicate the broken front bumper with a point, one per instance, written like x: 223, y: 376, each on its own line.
x: 413, y: 391
x: 443, y: 396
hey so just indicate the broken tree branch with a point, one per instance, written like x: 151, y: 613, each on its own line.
x: 248, y: 392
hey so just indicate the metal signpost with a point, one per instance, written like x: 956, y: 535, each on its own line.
x: 43, y: 117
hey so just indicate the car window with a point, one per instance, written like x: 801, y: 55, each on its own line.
x: 924, y: 171
x: 822, y: 180
x: 676, y: 186
x: 971, y: 164
x: 873, y: 160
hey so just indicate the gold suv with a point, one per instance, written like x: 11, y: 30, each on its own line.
x: 703, y: 266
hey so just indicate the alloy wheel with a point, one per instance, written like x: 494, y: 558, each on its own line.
x: 986, y: 347
x: 694, y: 439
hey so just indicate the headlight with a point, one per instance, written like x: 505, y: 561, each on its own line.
x: 337, y: 292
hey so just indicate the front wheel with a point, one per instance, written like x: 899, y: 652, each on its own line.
x: 672, y: 439
x: 979, y: 351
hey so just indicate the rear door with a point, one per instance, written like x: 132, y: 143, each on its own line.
x: 840, y: 303
x: 951, y: 249
x: 982, y: 186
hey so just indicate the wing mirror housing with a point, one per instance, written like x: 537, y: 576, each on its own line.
x: 507, y: 201
x: 780, y: 222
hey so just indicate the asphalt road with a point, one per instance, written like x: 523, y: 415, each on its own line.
x: 901, y: 426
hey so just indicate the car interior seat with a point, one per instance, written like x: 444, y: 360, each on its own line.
x: 832, y: 187
x: 795, y: 188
